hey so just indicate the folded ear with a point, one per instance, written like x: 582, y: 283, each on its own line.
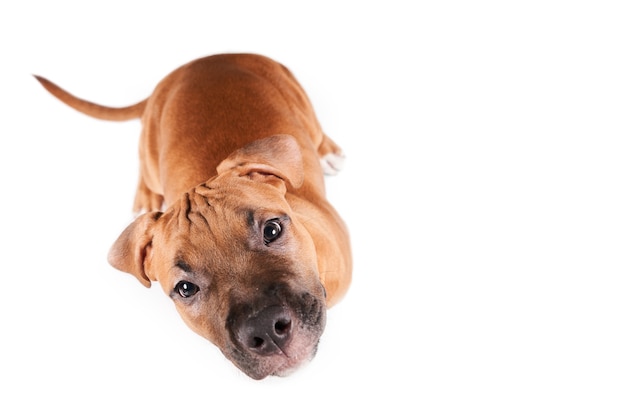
x: 130, y: 249
x: 277, y: 155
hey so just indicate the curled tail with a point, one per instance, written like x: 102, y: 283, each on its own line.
x: 91, y: 109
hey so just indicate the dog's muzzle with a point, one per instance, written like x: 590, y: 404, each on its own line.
x: 275, y: 335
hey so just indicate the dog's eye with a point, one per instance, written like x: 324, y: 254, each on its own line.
x: 271, y: 231
x: 186, y: 289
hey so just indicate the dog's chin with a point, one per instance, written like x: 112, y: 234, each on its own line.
x: 299, y: 353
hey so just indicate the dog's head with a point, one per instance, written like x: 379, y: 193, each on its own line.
x: 237, y: 260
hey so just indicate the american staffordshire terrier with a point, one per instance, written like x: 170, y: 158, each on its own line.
x: 233, y: 220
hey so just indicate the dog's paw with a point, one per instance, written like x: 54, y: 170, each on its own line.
x: 146, y: 200
x: 332, y: 163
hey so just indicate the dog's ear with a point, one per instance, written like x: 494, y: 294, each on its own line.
x: 276, y: 156
x: 129, y: 251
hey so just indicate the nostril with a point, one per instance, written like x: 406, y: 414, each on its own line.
x: 282, y: 327
x: 257, y: 342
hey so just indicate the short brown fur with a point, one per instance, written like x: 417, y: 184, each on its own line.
x: 230, y: 147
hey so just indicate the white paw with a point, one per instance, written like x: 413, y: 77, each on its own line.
x: 332, y: 163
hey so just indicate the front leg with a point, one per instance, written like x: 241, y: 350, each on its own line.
x: 146, y: 199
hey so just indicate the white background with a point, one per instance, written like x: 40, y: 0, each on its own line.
x: 484, y: 190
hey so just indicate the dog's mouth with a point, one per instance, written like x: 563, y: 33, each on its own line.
x: 275, y: 339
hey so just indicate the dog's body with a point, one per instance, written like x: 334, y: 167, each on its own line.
x: 248, y: 247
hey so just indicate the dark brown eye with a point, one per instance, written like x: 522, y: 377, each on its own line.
x: 186, y: 289
x: 271, y: 231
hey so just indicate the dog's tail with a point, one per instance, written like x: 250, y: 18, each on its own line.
x: 117, y: 114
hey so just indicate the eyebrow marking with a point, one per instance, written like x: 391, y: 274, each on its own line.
x: 250, y: 217
x: 184, y: 266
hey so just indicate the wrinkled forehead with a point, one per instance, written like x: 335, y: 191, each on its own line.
x: 218, y: 231
x: 217, y: 211
x: 201, y: 217
x: 238, y: 194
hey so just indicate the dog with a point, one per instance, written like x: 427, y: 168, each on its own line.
x: 232, y: 218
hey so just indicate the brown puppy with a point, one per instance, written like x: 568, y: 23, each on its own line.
x: 247, y: 247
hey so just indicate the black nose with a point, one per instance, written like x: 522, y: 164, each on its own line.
x: 266, y: 333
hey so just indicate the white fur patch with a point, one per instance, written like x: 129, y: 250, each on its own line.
x: 332, y: 163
